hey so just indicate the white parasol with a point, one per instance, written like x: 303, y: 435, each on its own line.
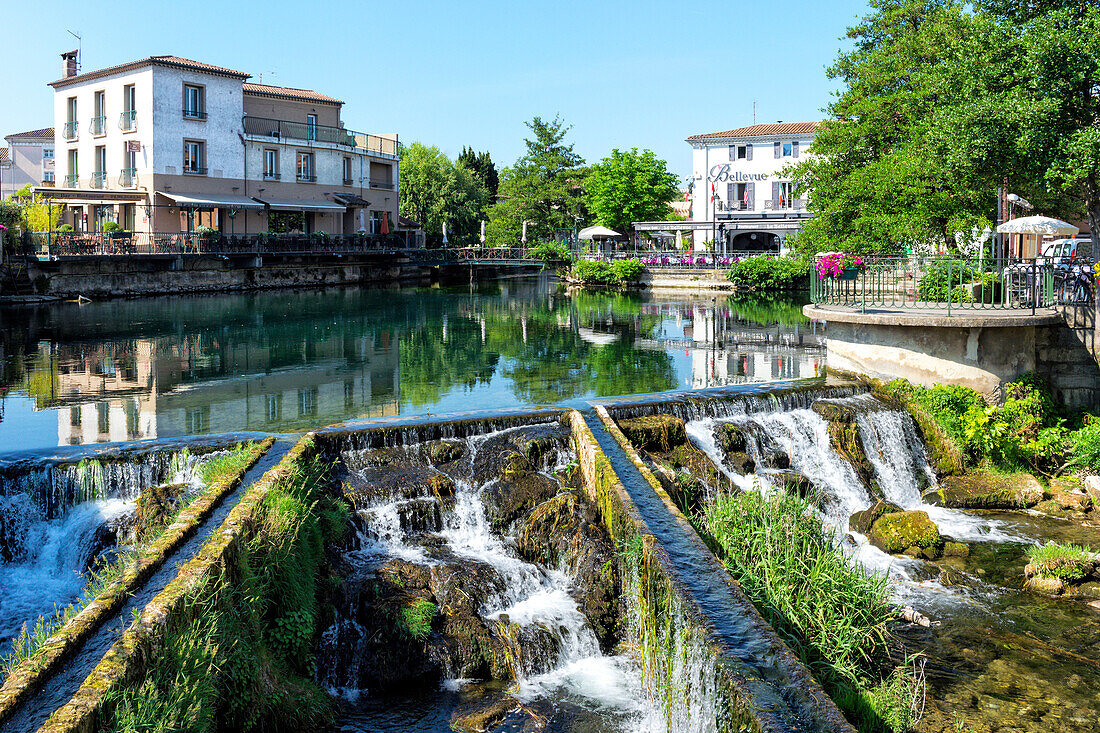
x: 1038, y: 225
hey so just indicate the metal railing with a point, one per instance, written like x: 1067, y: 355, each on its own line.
x: 70, y: 130
x: 127, y: 121
x: 306, y: 178
x: 72, y: 180
x: 384, y: 185
x: 194, y: 114
x: 195, y: 170
x: 272, y: 129
x: 732, y: 205
x: 53, y: 245
x: 785, y: 204
x: 940, y: 283
x: 99, y: 179
x: 99, y: 125
x: 127, y: 178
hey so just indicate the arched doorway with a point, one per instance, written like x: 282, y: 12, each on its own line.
x: 754, y: 242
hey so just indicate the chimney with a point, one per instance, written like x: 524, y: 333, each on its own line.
x: 779, y: 122
x: 68, y: 64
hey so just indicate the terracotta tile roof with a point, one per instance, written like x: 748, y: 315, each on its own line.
x: 4, y: 156
x: 771, y: 128
x: 306, y: 95
x: 46, y: 133
x: 175, y: 62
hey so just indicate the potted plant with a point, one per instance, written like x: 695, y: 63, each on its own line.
x: 839, y: 266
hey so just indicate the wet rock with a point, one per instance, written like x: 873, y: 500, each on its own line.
x: 420, y: 515
x: 358, y: 460
x: 956, y: 549
x: 730, y: 438
x: 659, y: 433
x: 832, y: 412
x: 742, y: 463
x: 985, y: 490
x: 535, y: 447
x: 775, y: 459
x: 1045, y: 586
x: 446, y: 451
x: 1070, y: 494
x: 397, y: 480
x: 914, y: 616
x: 485, y: 715
x: 793, y: 483
x: 845, y: 439
x: 154, y: 506
x: 467, y: 646
x: 1089, y: 589
x: 510, y: 499
x: 862, y: 521
x: 900, y: 532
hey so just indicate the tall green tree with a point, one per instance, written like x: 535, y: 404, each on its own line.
x: 434, y: 190
x: 481, y: 164
x: 629, y: 186
x: 545, y: 187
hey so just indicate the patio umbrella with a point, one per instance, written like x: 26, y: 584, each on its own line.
x: 1038, y: 225
x: 523, y: 239
x: 679, y: 239
x: 444, y: 232
x: 386, y: 224
x: 597, y: 231
x: 483, y: 231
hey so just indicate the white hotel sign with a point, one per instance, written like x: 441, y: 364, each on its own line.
x: 721, y: 173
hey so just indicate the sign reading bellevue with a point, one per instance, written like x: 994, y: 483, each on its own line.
x: 721, y: 173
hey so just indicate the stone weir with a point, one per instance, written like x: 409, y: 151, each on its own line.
x: 522, y: 547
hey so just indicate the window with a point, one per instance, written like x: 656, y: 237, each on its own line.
x: 194, y: 156
x: 305, y: 167
x: 103, y: 417
x: 273, y: 407
x: 47, y: 153
x: 74, y: 169
x: 307, y: 402
x: 347, y: 171
x: 129, y: 169
x: 72, y: 109
x: 741, y: 152
x: 99, y: 175
x: 198, y: 420
x: 787, y: 150
x: 70, y: 123
x: 99, y: 122
x: 786, y: 193
x: 376, y: 221
x: 128, y: 121
x: 311, y: 127
x: 74, y: 417
x: 47, y: 176
x: 194, y: 102
x: 271, y: 163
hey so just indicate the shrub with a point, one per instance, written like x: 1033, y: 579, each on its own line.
x: 1086, y: 445
x: 65, y: 229
x: 770, y: 273
x: 552, y: 253
x: 110, y: 227
x: 598, y: 272
x: 627, y: 271
x: 943, y: 275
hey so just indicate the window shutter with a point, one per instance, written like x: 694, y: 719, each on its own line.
x: 775, y: 194
x: 778, y: 149
x: 794, y: 148
x: 733, y: 152
x: 751, y: 191
x: 748, y: 152
x: 731, y: 194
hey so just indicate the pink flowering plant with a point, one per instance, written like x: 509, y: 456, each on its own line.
x: 833, y: 264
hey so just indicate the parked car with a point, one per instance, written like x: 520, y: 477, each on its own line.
x: 1066, y: 252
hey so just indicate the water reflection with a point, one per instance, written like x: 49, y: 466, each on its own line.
x: 289, y: 361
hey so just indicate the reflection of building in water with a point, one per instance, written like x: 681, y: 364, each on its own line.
x: 161, y: 388
x: 726, y: 349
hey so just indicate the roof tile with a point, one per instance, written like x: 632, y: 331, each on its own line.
x: 177, y: 62
x: 4, y: 155
x: 769, y: 128
x: 289, y: 92
x: 46, y: 133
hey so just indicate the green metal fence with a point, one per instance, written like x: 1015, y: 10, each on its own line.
x: 939, y: 283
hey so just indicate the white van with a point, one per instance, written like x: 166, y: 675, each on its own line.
x: 1064, y: 252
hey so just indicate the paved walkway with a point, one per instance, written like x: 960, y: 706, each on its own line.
x: 959, y: 317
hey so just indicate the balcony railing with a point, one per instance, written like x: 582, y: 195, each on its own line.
x: 194, y: 114
x: 272, y: 176
x: 348, y: 181
x: 732, y: 205
x: 72, y: 180
x: 385, y: 185
x: 194, y: 170
x: 127, y: 121
x: 307, y: 178
x: 284, y: 130
x: 70, y: 130
x: 128, y: 178
x: 99, y: 179
x: 99, y: 125
x: 785, y: 204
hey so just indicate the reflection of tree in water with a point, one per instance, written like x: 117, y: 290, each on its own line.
x: 431, y: 367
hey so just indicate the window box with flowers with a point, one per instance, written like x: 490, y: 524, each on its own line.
x: 839, y: 266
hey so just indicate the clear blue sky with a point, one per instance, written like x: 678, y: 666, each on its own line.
x: 624, y: 74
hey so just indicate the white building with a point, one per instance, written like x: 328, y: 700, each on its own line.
x: 167, y: 144
x: 741, y: 197
x: 30, y: 161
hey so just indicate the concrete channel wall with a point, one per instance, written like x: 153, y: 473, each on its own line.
x: 31, y: 673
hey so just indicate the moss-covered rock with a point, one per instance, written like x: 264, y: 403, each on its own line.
x: 1089, y: 590
x: 742, y: 463
x: 845, y: 439
x: 1045, y: 586
x: 793, y: 483
x: 659, y: 433
x: 862, y: 521
x: 486, y: 715
x: 446, y: 451
x: 1070, y: 494
x: 832, y: 412
x: 897, y: 532
x: 943, y: 455
x: 154, y: 506
x: 987, y: 490
x: 956, y: 549
x: 730, y: 438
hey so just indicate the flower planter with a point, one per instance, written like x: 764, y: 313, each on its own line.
x: 850, y: 273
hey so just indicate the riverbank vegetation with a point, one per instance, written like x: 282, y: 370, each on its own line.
x: 620, y: 273
x: 771, y: 273
x: 241, y: 657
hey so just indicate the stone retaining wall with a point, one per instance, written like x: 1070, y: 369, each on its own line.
x: 129, y: 658
x: 1068, y: 354
x: 32, y: 672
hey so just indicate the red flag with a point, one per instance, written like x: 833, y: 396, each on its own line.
x: 713, y: 193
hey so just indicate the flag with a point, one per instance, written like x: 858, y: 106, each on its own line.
x: 713, y: 193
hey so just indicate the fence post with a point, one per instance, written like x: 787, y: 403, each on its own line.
x: 950, y: 294
x: 1034, y: 286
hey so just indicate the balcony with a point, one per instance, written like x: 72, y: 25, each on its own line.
x: 306, y: 178
x: 194, y: 114
x: 194, y: 170
x: 785, y: 205
x: 128, y: 178
x: 72, y: 180
x: 99, y: 125
x: 384, y: 185
x: 269, y: 129
x: 99, y: 179
x: 70, y: 130
x: 733, y: 205
x: 127, y: 121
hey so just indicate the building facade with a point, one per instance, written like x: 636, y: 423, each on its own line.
x: 30, y: 161
x: 167, y: 145
x: 742, y: 199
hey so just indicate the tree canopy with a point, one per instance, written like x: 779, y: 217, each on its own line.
x: 434, y: 190
x: 481, y: 165
x: 629, y: 186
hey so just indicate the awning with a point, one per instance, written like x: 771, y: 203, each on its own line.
x: 350, y: 199
x: 89, y: 196
x: 211, y: 200
x: 301, y: 205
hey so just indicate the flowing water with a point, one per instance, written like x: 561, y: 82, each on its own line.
x: 999, y: 659
x: 562, y: 678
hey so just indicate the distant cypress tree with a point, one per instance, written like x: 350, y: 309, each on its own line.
x: 481, y: 164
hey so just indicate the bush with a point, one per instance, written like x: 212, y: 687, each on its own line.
x: 552, y: 253
x: 1086, y: 445
x: 110, y: 227
x: 622, y: 272
x: 771, y: 273
x: 65, y: 229
x: 627, y: 271
x: 933, y: 286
